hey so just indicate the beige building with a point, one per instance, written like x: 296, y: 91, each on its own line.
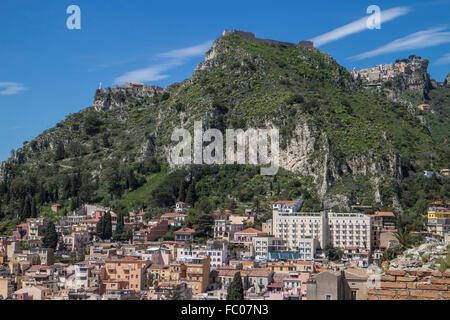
x: 125, y: 273
x: 267, y: 227
x: 6, y: 288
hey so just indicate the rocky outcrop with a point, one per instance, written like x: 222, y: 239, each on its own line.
x: 120, y: 96
x: 394, y: 80
x: 447, y: 81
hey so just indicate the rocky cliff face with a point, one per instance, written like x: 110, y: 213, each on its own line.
x: 414, y: 80
x: 118, y: 97
x: 447, y: 81
x: 406, y: 82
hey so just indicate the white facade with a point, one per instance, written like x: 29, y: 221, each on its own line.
x: 218, y: 254
x: 341, y: 229
x: 349, y: 230
x: 295, y: 227
x: 262, y: 246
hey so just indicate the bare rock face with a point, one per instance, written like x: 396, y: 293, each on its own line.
x: 447, y: 81
x: 118, y: 97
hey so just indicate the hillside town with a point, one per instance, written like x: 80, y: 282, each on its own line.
x: 382, y: 73
x: 296, y: 255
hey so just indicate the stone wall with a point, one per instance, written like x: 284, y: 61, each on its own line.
x: 412, y: 284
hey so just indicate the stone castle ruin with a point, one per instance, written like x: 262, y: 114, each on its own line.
x: 251, y: 37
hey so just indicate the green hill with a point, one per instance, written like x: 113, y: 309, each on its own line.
x: 341, y: 144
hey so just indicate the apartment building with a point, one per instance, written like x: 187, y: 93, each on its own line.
x: 126, y: 273
x: 217, y: 251
x: 349, y: 230
x: 225, y: 229
x: 295, y: 227
x: 263, y: 245
x: 438, y: 219
x: 197, y: 273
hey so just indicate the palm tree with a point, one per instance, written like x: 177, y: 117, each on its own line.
x: 404, y: 237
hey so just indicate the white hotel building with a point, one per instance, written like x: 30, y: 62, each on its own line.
x: 341, y: 229
x: 350, y: 230
x: 296, y: 227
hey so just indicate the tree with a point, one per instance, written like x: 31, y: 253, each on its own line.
x: 100, y: 228
x: 175, y: 294
x: 405, y: 237
x: 236, y: 290
x: 107, y: 232
x: 191, y: 195
x: 60, y: 152
x: 50, y: 239
x: 331, y: 252
x: 181, y: 192
x: 119, y: 227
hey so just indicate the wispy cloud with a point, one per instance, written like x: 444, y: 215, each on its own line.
x: 157, y: 72
x: 358, y: 26
x: 445, y: 59
x: 420, y: 39
x: 194, y: 51
x: 9, y: 88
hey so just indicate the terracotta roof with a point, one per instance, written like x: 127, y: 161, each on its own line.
x: 285, y: 202
x: 43, y: 288
x: 385, y: 214
x: 276, y: 285
x: 185, y: 230
x: 173, y: 214
x: 89, y: 220
x: 251, y: 230
x: 129, y: 258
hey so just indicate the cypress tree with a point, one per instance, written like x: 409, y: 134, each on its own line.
x: 108, y: 226
x: 119, y: 227
x: 33, y: 208
x: 100, y: 230
x: 236, y: 290
x: 181, y: 193
x: 50, y: 239
x: 191, y: 196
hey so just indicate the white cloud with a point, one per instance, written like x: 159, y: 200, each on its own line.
x: 420, y: 39
x: 9, y: 88
x: 358, y: 26
x: 194, y: 51
x: 157, y: 72
x: 445, y: 59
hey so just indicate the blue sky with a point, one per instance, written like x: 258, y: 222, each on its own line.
x: 48, y: 71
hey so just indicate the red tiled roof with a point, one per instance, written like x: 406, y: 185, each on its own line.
x: 385, y: 214
x: 276, y: 285
x: 90, y: 220
x: 173, y: 214
x: 185, y: 230
x: 251, y: 230
x: 286, y: 202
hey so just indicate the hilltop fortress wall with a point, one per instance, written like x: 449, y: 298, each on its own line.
x: 251, y: 37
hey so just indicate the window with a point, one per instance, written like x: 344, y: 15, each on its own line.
x: 328, y: 297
